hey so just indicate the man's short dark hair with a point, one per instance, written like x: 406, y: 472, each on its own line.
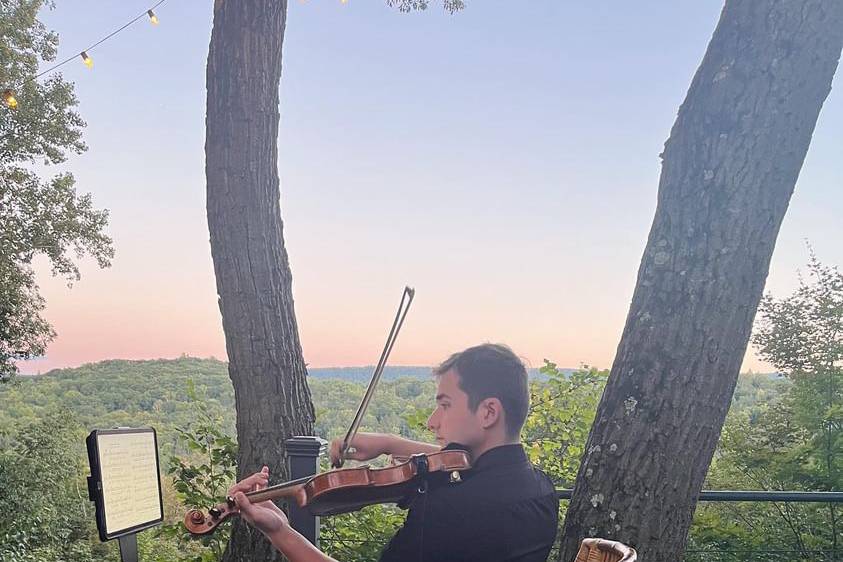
x: 492, y: 371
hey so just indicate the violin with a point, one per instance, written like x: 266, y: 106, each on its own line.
x: 342, y: 490
x: 348, y: 489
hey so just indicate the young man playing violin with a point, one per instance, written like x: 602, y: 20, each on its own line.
x: 502, y: 509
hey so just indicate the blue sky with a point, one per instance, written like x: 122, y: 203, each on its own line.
x: 503, y: 160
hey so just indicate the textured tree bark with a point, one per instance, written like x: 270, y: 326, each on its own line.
x: 253, y: 275
x: 729, y: 169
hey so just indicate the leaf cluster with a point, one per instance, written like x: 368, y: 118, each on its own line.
x: 561, y: 413
x: 41, y: 474
x: 451, y: 6
x: 792, y: 441
x: 37, y: 216
x: 202, y: 477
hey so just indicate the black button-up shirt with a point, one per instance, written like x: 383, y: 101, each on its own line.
x: 504, y: 509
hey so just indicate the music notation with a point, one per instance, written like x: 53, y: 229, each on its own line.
x: 129, y: 479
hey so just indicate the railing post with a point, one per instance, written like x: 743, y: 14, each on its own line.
x: 303, y: 454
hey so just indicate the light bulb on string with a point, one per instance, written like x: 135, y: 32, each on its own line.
x: 9, y: 96
x: 89, y: 62
x: 153, y: 19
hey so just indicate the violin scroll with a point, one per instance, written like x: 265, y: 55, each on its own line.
x: 199, y: 523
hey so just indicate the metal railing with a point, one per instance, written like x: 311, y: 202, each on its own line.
x: 750, y: 496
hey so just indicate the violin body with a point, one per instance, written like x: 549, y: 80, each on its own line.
x: 342, y: 490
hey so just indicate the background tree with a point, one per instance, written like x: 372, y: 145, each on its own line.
x: 37, y: 217
x: 802, y: 337
x: 40, y: 468
x: 789, y: 441
x: 410, y: 5
x: 561, y: 413
x: 252, y: 270
x: 729, y: 169
x: 253, y: 276
x: 562, y: 408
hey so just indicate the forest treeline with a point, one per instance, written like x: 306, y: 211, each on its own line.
x: 43, y: 420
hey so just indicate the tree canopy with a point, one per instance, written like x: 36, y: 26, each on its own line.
x: 38, y: 216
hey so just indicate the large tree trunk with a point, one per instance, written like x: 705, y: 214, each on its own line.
x: 729, y: 169
x: 252, y: 270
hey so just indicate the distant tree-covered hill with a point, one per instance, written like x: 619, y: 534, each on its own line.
x: 155, y: 392
x: 363, y: 374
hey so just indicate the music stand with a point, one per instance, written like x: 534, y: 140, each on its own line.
x: 125, y: 485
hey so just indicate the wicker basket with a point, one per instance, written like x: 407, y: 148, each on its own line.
x: 601, y: 550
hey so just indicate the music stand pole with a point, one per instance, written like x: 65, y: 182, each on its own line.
x: 129, y: 548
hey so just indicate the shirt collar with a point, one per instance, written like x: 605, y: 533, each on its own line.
x: 502, y: 455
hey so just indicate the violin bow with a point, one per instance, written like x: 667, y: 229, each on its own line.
x: 403, y: 307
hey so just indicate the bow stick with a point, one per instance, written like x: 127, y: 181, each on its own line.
x: 403, y: 307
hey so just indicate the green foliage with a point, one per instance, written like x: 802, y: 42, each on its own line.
x: 791, y: 442
x: 194, y: 423
x: 362, y: 535
x: 125, y: 393
x: 153, y: 547
x: 451, y: 6
x: 562, y: 409
x: 336, y: 403
x: 41, y: 472
x: 416, y: 419
x: 755, y: 392
x: 561, y: 412
x: 202, y: 478
x: 802, y: 335
x: 37, y: 217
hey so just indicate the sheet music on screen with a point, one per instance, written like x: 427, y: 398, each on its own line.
x: 129, y: 470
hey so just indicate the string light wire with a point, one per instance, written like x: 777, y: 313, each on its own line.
x: 103, y: 40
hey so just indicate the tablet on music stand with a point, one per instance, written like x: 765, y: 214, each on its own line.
x: 124, y: 484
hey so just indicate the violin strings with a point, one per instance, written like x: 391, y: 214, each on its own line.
x: 280, y: 486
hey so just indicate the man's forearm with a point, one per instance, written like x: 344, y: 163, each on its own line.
x: 297, y: 548
x: 401, y: 447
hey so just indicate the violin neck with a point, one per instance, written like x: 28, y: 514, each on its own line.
x: 286, y: 490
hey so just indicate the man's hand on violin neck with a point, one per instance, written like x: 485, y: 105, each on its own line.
x: 257, y: 481
x: 272, y: 522
x: 367, y: 446
x: 265, y: 515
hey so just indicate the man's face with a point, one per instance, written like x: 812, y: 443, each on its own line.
x: 452, y: 421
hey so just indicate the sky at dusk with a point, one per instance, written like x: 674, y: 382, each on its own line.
x: 503, y: 161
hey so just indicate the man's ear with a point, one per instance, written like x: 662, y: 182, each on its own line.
x: 491, y: 412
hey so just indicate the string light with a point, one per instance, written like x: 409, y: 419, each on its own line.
x: 9, y: 96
